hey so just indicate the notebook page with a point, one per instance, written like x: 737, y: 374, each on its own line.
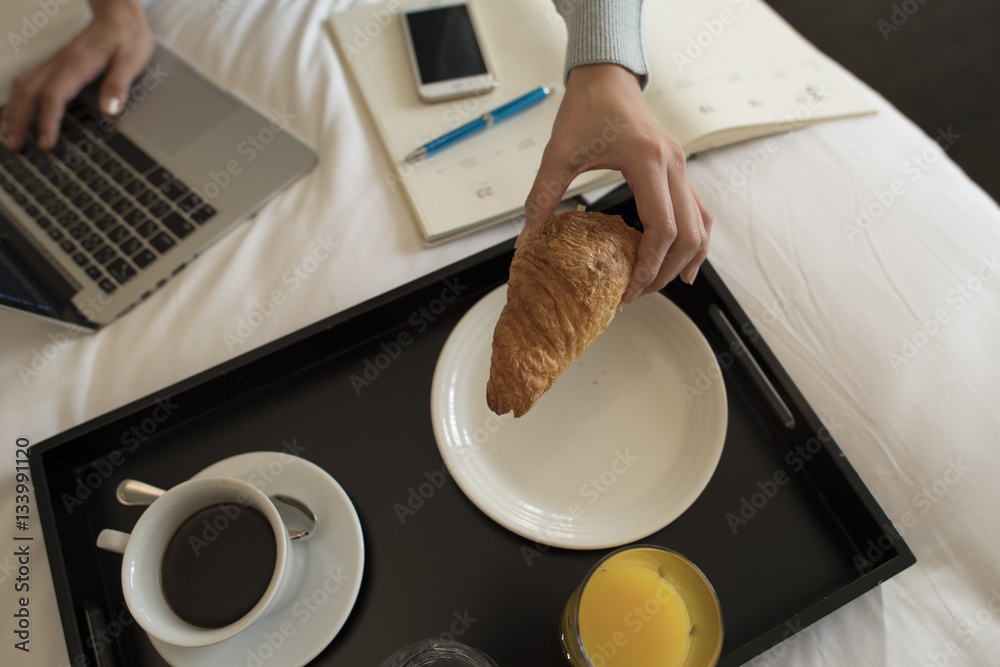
x: 727, y: 70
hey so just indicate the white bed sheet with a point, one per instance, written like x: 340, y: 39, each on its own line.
x: 834, y: 297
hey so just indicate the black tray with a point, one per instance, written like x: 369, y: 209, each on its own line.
x: 816, y: 540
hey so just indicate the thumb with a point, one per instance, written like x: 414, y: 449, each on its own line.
x: 125, y: 66
x: 545, y: 194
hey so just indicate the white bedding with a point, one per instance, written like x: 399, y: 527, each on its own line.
x: 887, y: 324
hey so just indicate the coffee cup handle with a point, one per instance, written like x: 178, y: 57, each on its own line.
x: 112, y: 540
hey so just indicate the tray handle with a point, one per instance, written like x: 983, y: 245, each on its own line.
x: 735, y: 343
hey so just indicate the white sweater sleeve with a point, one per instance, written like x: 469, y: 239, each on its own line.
x: 605, y: 31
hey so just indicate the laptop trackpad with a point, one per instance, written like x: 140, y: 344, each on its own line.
x: 170, y: 106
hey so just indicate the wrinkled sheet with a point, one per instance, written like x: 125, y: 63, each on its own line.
x: 865, y: 255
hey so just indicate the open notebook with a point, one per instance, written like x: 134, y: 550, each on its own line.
x: 722, y: 71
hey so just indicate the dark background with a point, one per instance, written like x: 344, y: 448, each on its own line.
x: 941, y: 67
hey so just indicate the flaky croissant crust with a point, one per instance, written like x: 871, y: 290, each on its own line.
x: 566, y: 282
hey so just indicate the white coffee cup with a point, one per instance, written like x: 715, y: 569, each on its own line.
x: 144, y: 548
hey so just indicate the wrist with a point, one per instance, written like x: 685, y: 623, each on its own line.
x: 608, y: 80
x: 604, y: 73
x: 116, y: 10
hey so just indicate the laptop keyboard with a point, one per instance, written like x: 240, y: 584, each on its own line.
x: 111, y: 207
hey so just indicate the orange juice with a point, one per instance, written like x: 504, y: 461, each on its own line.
x: 643, y: 606
x: 630, y: 617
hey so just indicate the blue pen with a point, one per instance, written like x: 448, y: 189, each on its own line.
x: 488, y: 119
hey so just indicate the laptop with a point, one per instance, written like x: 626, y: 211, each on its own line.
x: 120, y: 205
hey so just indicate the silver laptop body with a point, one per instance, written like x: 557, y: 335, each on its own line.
x: 121, y: 205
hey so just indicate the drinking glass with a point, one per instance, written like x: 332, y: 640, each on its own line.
x: 643, y: 606
x: 438, y: 653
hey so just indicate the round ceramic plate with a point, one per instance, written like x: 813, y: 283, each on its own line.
x: 331, y: 563
x: 621, y: 445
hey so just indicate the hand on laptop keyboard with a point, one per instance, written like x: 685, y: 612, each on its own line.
x: 117, y: 41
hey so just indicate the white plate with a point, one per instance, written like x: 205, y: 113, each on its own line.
x: 330, y: 564
x: 622, y: 444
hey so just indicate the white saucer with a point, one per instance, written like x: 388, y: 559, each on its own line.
x: 615, y: 451
x: 331, y: 563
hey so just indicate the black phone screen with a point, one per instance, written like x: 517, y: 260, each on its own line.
x: 445, y: 44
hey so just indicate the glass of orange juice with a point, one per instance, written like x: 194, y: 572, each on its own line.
x: 643, y: 606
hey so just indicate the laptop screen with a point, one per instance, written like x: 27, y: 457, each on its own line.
x: 21, y: 290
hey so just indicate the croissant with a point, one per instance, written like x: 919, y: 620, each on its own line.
x: 566, y: 282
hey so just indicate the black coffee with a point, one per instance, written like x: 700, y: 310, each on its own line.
x: 218, y: 564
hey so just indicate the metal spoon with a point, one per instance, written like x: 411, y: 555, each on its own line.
x: 293, y: 511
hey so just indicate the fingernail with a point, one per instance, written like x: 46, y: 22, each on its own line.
x: 693, y: 276
x: 630, y: 295
x: 113, y: 106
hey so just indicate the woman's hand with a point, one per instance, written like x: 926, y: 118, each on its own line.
x: 604, y: 123
x: 117, y: 40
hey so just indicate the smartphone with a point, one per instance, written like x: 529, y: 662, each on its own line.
x: 446, y: 50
